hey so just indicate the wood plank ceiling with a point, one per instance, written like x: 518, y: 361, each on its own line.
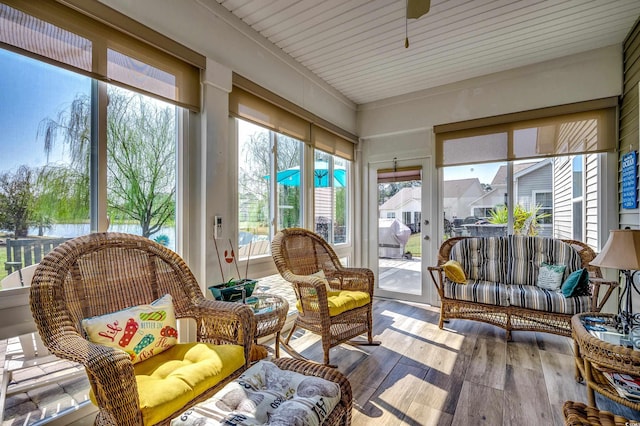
x: 357, y: 46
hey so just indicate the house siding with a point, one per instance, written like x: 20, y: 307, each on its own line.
x: 536, y: 181
x: 562, y: 214
x: 591, y: 201
x: 629, y: 116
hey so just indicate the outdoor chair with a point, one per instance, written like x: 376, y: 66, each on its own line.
x: 332, y: 301
x: 28, y: 365
x: 112, y: 273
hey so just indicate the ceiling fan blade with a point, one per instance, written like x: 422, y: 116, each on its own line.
x: 417, y: 8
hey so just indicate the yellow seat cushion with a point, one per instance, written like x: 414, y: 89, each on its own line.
x: 342, y: 301
x: 169, y: 380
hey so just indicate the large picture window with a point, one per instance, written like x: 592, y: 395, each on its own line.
x: 527, y: 173
x: 52, y: 152
x: 264, y: 201
x: 266, y: 205
x: 91, y: 129
x: 293, y: 169
x: 330, y: 196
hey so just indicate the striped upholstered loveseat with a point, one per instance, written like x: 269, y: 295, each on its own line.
x: 500, y: 282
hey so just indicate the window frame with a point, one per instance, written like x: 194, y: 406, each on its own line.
x: 577, y: 202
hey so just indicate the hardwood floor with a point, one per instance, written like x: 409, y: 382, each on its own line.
x: 466, y: 374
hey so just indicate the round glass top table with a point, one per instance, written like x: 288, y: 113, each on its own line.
x: 606, y: 359
x: 270, y: 311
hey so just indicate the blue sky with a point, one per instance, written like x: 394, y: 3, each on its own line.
x: 31, y: 91
x: 484, y: 172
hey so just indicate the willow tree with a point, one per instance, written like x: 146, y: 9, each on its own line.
x: 141, y: 160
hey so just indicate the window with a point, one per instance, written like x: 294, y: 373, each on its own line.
x: 544, y: 200
x: 330, y: 196
x: 254, y: 167
x: 577, y: 183
x: 141, y: 165
x: 92, y: 154
x: 260, y: 202
x: 482, y: 212
x: 289, y: 181
x: 305, y: 153
x: 542, y: 192
x: 473, y: 196
x: 43, y: 192
x: 55, y: 150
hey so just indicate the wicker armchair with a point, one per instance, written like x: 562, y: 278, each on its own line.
x: 298, y: 254
x: 106, y: 272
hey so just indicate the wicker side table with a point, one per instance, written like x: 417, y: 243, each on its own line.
x: 271, y: 313
x: 594, y: 355
x: 579, y: 414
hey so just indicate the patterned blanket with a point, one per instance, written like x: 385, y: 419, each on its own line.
x: 266, y: 395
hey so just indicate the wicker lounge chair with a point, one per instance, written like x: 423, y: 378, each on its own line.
x: 309, y: 263
x: 106, y: 272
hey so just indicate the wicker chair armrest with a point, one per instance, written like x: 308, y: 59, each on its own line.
x: 595, y: 284
x: 357, y: 279
x: 110, y: 372
x: 437, y: 277
x: 226, y: 323
x: 600, y: 281
x: 324, y: 372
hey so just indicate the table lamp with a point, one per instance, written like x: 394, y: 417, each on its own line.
x: 622, y: 252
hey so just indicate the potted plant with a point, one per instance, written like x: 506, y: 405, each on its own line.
x: 233, y: 289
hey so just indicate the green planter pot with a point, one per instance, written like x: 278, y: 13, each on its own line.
x: 232, y: 291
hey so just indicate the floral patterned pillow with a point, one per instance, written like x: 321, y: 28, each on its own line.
x: 550, y: 276
x: 142, y: 331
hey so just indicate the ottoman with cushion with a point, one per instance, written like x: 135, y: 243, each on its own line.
x: 282, y: 392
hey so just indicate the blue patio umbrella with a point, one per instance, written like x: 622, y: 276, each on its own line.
x: 291, y: 176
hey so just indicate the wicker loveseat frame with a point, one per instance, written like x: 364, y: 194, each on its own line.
x: 511, y: 317
x: 106, y: 272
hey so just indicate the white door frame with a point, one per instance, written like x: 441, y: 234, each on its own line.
x: 428, y: 226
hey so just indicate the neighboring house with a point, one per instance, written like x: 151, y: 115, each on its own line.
x: 458, y: 195
x: 532, y: 185
x: 576, y: 182
x: 575, y: 199
x: 406, y: 206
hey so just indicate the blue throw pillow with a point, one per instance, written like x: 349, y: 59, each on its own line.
x: 576, y: 283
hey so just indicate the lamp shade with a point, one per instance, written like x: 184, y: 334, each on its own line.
x: 622, y: 250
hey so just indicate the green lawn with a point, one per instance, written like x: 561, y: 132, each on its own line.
x: 3, y: 258
x: 414, y: 245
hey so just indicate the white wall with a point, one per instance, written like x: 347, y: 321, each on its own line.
x: 591, y: 75
x: 206, y: 27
